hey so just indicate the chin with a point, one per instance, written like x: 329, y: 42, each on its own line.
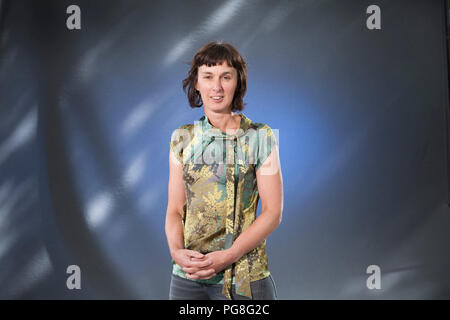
x: 218, y: 108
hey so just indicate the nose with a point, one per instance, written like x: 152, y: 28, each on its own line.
x: 217, y: 85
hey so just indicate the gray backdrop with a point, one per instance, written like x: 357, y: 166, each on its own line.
x: 86, y: 117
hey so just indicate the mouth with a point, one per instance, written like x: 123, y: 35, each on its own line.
x: 217, y: 98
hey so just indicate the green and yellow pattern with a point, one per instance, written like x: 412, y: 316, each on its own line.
x: 219, y: 173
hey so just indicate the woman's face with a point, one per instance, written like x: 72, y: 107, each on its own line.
x: 217, y: 85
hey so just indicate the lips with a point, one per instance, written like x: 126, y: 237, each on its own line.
x: 217, y: 98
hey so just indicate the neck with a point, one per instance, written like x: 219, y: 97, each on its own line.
x: 226, y: 122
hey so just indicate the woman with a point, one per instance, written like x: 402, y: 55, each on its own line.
x: 219, y: 169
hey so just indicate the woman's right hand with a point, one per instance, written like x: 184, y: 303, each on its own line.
x: 194, y: 263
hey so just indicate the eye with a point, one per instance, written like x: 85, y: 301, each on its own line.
x: 207, y: 77
x: 228, y: 78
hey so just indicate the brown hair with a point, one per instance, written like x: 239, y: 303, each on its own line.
x: 210, y: 54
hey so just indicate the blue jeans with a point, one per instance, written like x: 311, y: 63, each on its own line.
x: 186, y: 289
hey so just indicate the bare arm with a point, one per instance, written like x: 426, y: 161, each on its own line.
x: 270, y: 188
x: 176, y: 200
x: 174, y: 226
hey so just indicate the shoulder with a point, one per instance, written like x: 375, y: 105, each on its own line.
x: 263, y: 130
x: 184, y: 131
x: 265, y: 141
x: 188, y: 127
x: 261, y: 126
x: 258, y: 125
x: 180, y: 139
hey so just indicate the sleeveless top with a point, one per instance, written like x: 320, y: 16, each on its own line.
x: 219, y: 174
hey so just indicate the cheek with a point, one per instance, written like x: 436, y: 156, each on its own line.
x: 231, y: 88
x: 202, y: 88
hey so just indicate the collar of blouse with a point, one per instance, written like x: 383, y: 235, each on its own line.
x: 211, y: 131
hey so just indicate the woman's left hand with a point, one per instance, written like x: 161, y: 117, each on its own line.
x: 220, y: 260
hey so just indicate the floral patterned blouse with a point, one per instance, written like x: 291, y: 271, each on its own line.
x: 219, y: 174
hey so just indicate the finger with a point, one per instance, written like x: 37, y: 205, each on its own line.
x: 194, y: 276
x: 205, y: 273
x: 191, y: 270
x: 200, y: 264
x: 191, y: 267
x: 213, y: 275
x: 198, y: 259
x: 208, y: 277
x: 196, y: 254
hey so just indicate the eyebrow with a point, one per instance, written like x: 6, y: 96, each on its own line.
x: 207, y: 72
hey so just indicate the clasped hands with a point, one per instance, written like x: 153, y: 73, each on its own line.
x: 202, y: 266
